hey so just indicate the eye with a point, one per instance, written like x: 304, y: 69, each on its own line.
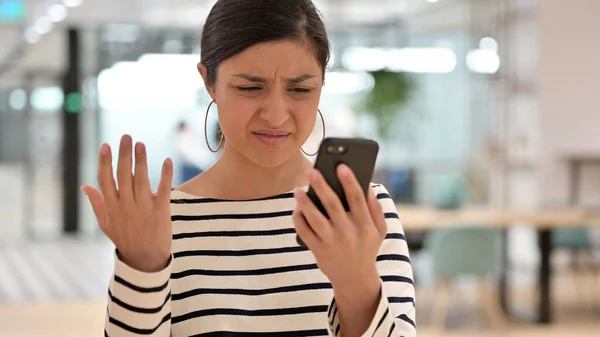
x: 301, y: 90
x: 249, y: 89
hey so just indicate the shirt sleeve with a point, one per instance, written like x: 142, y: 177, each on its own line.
x: 395, y: 314
x: 139, y: 303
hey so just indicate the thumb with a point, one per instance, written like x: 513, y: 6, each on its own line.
x: 98, y: 204
x: 377, y: 213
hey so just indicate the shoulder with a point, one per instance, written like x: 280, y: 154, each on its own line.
x: 178, y: 196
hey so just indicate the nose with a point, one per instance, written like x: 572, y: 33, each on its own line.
x: 275, y: 110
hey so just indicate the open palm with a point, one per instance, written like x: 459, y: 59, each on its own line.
x: 136, y: 220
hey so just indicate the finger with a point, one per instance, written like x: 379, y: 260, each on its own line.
x: 313, y: 217
x: 377, y: 214
x: 354, y: 195
x: 124, y: 173
x: 308, y: 236
x: 163, y: 194
x: 98, y: 205
x: 141, y: 183
x: 106, y: 180
x: 331, y: 202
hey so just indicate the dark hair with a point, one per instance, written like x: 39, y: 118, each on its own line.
x: 235, y: 25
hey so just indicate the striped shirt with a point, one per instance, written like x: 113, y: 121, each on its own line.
x: 237, y: 270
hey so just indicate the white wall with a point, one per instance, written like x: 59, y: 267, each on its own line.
x: 569, y: 101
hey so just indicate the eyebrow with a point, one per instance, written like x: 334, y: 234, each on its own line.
x: 259, y: 79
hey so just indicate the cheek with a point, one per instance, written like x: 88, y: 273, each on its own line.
x: 305, y: 119
x: 235, y: 113
x: 305, y: 111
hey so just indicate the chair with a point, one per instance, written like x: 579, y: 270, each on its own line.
x: 465, y: 251
x: 578, y: 241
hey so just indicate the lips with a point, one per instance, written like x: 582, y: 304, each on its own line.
x: 271, y: 137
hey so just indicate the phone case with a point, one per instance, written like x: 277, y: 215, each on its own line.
x: 360, y: 156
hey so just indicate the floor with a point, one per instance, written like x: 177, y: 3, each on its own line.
x: 67, y: 269
x: 53, y: 319
x: 52, y: 289
x: 86, y: 318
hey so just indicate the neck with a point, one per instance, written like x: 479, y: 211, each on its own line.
x: 240, y: 178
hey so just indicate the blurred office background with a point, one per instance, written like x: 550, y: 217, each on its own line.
x: 487, y: 113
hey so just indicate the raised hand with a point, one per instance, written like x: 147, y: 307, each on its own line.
x: 136, y: 220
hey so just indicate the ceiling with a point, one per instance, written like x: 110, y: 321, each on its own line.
x: 191, y: 13
x: 47, y: 54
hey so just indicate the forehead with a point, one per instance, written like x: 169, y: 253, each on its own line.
x: 271, y: 59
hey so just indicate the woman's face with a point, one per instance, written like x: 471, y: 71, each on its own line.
x: 267, y: 98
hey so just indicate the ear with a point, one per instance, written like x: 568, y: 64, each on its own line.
x: 204, y: 73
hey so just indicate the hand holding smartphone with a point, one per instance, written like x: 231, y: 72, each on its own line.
x: 357, y: 153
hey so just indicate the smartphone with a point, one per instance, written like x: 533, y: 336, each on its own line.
x: 357, y: 153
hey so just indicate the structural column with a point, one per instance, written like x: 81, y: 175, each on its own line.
x: 71, y: 143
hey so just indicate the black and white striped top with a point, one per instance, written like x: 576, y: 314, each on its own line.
x: 237, y: 270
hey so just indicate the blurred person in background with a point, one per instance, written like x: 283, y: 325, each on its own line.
x: 189, y: 152
x: 218, y: 137
x: 218, y: 255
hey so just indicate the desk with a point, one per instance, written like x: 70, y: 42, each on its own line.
x: 422, y: 219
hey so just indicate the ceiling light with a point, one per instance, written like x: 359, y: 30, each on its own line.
x: 413, y: 60
x: 483, y: 61
x: 422, y: 60
x: 17, y: 99
x: 43, y: 25
x: 364, y: 59
x: 72, y: 3
x: 46, y: 99
x: 397, y: 5
x: 57, y: 13
x: 31, y: 36
x: 432, y: 1
x: 169, y: 61
x: 489, y: 44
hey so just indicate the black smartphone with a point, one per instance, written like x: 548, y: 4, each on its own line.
x: 358, y: 153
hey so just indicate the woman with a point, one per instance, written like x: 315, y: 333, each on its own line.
x: 217, y: 256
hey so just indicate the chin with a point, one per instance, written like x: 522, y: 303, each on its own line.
x: 272, y: 158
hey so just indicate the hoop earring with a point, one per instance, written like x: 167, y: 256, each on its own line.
x: 323, y: 123
x: 206, y: 132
